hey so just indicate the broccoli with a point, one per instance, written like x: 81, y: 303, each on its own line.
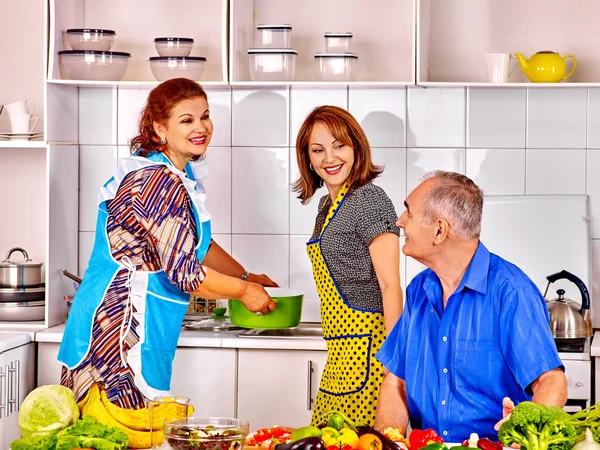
x: 538, y: 427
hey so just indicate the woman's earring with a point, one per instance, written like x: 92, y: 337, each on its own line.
x: 311, y: 166
x: 163, y: 141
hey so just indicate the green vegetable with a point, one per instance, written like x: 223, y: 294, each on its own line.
x: 335, y: 418
x: 46, y: 411
x: 435, y: 446
x: 304, y: 432
x: 538, y: 427
x: 85, y: 433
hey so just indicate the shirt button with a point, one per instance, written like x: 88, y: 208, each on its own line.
x: 445, y: 370
x: 444, y: 339
x: 444, y: 402
x: 432, y: 310
x: 445, y: 433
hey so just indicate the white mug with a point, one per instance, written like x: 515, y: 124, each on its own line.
x: 20, y: 107
x: 498, y: 66
x: 22, y: 123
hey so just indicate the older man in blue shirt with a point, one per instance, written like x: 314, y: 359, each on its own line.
x: 474, y: 330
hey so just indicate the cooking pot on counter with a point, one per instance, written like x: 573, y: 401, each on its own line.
x: 568, y: 319
x: 21, y: 274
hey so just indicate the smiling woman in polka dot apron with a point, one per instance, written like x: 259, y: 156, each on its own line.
x: 354, y: 250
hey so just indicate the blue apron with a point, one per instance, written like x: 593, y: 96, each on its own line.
x: 160, y: 306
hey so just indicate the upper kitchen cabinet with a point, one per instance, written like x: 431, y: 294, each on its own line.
x: 23, y: 56
x: 136, y: 24
x: 453, y: 36
x: 381, y: 50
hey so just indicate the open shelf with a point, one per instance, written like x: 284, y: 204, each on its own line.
x: 453, y: 36
x: 383, y: 36
x: 22, y: 144
x: 137, y: 23
x: 124, y: 84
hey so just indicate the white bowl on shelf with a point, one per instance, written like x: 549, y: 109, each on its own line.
x: 90, y: 39
x: 93, y: 65
x: 335, y: 66
x: 338, y: 42
x: 272, y: 64
x: 173, y: 46
x: 274, y: 36
x: 166, y: 67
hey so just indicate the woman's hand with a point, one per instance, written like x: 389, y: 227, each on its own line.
x: 257, y: 300
x: 261, y: 279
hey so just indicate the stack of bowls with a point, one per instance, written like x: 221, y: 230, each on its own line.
x: 174, y: 60
x: 274, y: 59
x: 337, y: 63
x: 90, y: 57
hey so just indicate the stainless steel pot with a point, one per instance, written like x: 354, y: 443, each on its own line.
x: 25, y: 273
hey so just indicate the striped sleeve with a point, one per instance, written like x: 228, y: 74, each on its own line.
x: 162, y: 206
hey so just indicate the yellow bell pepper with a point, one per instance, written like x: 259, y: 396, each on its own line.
x: 348, y: 437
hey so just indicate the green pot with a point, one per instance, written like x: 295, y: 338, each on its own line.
x: 286, y: 315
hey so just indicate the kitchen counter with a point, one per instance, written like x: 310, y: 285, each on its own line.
x: 220, y: 339
x: 8, y: 341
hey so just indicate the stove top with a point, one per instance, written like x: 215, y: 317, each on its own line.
x: 573, y: 349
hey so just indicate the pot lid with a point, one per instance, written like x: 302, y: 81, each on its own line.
x: 331, y: 34
x: 284, y: 27
x: 173, y: 39
x: 90, y: 30
x: 23, y: 290
x: 336, y: 55
x: 272, y: 51
x: 8, y: 262
x: 93, y: 52
x: 177, y: 58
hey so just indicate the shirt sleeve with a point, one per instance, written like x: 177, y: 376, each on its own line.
x: 377, y: 215
x: 163, y: 208
x: 527, y: 342
x: 392, y: 353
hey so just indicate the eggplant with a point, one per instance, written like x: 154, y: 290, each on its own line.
x: 309, y: 443
x: 388, y: 444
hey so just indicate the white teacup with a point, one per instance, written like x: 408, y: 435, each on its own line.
x: 22, y: 123
x: 20, y: 107
x: 498, y: 66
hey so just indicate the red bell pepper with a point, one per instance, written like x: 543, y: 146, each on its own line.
x: 272, y: 433
x: 420, y: 438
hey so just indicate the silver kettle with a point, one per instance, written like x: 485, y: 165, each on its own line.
x: 569, y: 320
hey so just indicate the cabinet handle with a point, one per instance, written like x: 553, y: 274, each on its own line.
x: 309, y: 386
x: 4, y: 404
x: 14, y: 385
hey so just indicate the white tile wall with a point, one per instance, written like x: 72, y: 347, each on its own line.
x: 511, y: 141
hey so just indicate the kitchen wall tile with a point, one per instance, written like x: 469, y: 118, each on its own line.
x: 419, y: 161
x: 595, y: 287
x: 86, y: 245
x: 122, y: 152
x: 497, y: 171
x: 268, y: 254
x: 436, y: 117
x: 556, y: 118
x: 260, y: 117
x: 304, y: 100
x: 301, y: 277
x: 302, y: 217
x: 219, y: 102
x: 96, y: 165
x: 392, y: 180
x: 130, y: 106
x: 593, y: 190
x: 97, y: 116
x: 413, y: 268
x: 555, y: 171
x: 218, y: 188
x: 261, y: 185
x: 593, y: 125
x: 382, y: 114
x: 224, y: 241
x: 496, y: 118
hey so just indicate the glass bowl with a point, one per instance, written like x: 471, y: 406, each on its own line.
x: 206, y: 433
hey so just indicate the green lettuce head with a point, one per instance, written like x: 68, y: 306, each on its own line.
x: 47, y: 410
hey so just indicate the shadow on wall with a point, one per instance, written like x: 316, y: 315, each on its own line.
x: 261, y: 117
x: 384, y: 129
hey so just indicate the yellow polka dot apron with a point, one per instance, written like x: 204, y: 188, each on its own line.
x: 352, y: 376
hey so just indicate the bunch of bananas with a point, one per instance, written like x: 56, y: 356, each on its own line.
x: 134, y: 422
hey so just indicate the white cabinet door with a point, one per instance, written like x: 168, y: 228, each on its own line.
x: 207, y: 376
x: 49, y: 369
x: 19, y: 365
x: 278, y: 387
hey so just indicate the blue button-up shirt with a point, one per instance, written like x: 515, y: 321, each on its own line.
x: 491, y: 341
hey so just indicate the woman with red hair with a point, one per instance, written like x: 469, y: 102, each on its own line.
x: 153, y: 249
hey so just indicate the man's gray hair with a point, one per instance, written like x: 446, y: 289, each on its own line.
x: 456, y: 198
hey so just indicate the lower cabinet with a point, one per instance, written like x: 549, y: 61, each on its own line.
x: 278, y: 387
x: 206, y: 376
x: 17, y: 370
x: 49, y: 369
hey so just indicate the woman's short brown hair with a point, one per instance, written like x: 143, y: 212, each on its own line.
x: 344, y: 128
x: 161, y: 101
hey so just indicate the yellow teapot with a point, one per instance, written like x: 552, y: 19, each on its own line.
x: 546, y: 67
